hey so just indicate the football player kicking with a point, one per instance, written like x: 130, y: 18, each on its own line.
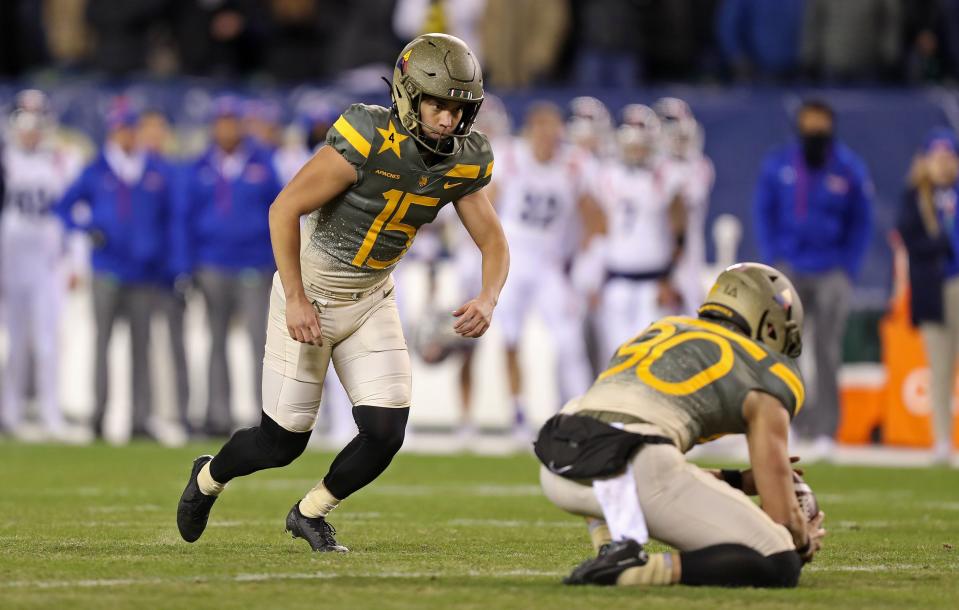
x: 384, y: 173
x: 684, y: 381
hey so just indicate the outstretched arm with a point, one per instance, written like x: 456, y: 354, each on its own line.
x: 478, y: 216
x: 324, y: 177
x: 767, y: 433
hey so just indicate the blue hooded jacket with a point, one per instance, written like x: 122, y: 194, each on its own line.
x: 223, y: 222
x: 126, y: 223
x: 814, y: 220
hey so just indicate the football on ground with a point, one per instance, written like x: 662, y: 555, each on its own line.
x: 94, y: 527
x: 806, y: 497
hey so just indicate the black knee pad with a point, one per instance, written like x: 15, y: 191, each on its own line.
x: 785, y: 568
x: 736, y: 565
x: 251, y: 449
x: 279, y: 443
x: 381, y: 434
x: 383, y: 427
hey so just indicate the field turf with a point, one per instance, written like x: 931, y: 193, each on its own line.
x: 93, y: 527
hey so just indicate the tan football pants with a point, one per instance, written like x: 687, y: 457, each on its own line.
x: 363, y: 338
x: 685, y: 507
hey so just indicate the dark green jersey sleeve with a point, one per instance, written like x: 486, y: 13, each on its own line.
x: 783, y: 380
x: 351, y: 135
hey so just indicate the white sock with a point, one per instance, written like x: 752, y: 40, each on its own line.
x: 318, y: 502
x: 205, y: 482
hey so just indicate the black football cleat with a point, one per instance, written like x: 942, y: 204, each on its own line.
x: 316, y: 531
x: 194, y: 509
x: 613, y: 559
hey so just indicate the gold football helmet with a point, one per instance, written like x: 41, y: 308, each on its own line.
x: 761, y: 302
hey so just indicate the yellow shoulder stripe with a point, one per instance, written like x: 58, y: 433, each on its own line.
x: 461, y: 170
x: 489, y: 170
x: 792, y: 382
x: 356, y: 140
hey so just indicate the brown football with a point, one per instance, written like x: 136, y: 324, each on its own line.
x: 807, y: 499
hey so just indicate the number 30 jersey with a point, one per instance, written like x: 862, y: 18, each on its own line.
x: 690, y: 377
x: 354, y: 241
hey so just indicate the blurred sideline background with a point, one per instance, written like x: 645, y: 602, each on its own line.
x: 743, y: 67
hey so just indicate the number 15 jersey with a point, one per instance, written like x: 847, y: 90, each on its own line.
x: 354, y: 241
x: 690, y: 377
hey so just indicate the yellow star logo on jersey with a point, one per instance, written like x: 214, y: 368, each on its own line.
x: 391, y: 140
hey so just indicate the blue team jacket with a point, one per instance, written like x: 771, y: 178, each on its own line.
x: 221, y: 222
x: 127, y: 223
x: 814, y: 220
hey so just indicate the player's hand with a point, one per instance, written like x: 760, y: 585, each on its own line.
x: 74, y: 281
x: 474, y: 318
x: 303, y: 321
x: 749, y: 481
x: 816, y: 533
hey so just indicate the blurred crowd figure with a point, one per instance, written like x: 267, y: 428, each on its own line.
x: 601, y: 43
x: 150, y: 226
x: 35, y: 174
x: 929, y: 231
x: 605, y: 212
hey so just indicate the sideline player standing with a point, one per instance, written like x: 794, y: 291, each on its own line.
x: 35, y: 174
x: 643, y: 236
x: 385, y: 173
x: 542, y: 198
x: 681, y: 382
x: 691, y: 176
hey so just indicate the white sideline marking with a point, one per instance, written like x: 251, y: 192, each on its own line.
x: 478, y: 489
x: 512, y: 523
x: 136, y: 508
x: 894, y: 567
x: 483, y: 490
x: 263, y: 577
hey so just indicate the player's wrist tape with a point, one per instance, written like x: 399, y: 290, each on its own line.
x: 733, y: 477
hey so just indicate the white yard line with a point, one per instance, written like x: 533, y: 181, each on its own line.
x: 267, y: 577
x: 514, y: 523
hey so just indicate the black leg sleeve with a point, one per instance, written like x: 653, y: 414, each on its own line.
x: 265, y: 446
x: 381, y: 433
x: 735, y: 565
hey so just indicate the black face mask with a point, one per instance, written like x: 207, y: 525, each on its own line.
x: 815, y: 148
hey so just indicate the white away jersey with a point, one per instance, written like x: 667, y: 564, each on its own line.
x: 636, y: 200
x: 538, y: 202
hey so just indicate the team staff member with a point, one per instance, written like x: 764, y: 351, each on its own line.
x: 223, y: 228
x: 813, y: 216
x: 129, y: 194
x: 157, y: 138
x: 927, y: 224
x: 681, y: 382
x: 385, y: 173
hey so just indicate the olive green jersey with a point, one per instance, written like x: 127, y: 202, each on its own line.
x: 355, y: 240
x: 690, y: 377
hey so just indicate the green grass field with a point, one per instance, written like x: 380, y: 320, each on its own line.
x: 93, y: 527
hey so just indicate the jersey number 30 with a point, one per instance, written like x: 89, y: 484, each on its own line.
x: 643, y: 354
x: 388, y: 221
